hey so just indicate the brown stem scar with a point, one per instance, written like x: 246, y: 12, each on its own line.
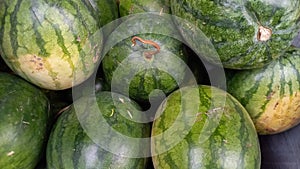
x: 148, y: 54
x: 264, y: 33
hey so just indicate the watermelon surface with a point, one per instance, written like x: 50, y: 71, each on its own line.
x: 75, y: 141
x: 270, y: 94
x: 53, y: 44
x: 204, y: 127
x: 25, y: 117
x: 154, y: 60
x: 246, y: 34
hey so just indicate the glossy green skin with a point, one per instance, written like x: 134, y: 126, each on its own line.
x: 221, y: 135
x: 25, y: 117
x: 70, y: 146
x: 108, y: 10
x: 131, y: 60
x: 232, y: 27
x: 258, y: 89
x: 109, y: 13
x: 147, y: 76
x: 50, y: 42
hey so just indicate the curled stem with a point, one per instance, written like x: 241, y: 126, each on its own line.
x: 148, y: 54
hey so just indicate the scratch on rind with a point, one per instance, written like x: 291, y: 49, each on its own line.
x: 10, y: 153
x: 112, y: 112
x: 121, y: 100
x: 130, y: 115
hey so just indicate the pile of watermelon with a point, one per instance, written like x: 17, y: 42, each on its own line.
x: 140, y: 84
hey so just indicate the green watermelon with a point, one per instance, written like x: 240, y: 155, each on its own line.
x: 75, y: 141
x: 204, y: 127
x: 270, y: 94
x: 53, y: 44
x: 25, y: 118
x: 137, y: 70
x: 246, y: 34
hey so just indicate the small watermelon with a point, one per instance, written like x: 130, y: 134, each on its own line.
x: 246, y: 34
x: 25, y: 120
x: 141, y: 56
x: 204, y: 127
x: 77, y: 139
x: 270, y: 94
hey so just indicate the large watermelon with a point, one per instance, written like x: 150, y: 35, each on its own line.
x: 270, y: 94
x: 53, y: 44
x: 204, y: 127
x: 25, y: 117
x: 246, y: 34
x: 77, y: 139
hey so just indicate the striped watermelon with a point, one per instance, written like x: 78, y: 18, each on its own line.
x: 246, y: 34
x: 53, y: 44
x: 128, y: 69
x: 72, y: 145
x: 204, y: 127
x: 25, y: 120
x: 270, y: 94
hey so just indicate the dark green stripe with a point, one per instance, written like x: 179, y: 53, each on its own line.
x: 249, y: 93
x: 270, y: 89
x: 5, y: 13
x: 38, y: 37
x: 60, y: 39
x: 296, y: 69
x: 212, y: 146
x: 79, y: 15
x: 60, y: 134
x: 93, y: 9
x: 13, y: 31
x: 243, y: 135
x: 170, y: 161
x: 282, y: 78
x: 78, y: 145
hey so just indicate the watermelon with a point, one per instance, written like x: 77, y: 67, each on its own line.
x: 25, y: 118
x: 84, y: 134
x: 204, y: 127
x: 141, y: 56
x: 246, y: 34
x: 270, y: 94
x: 52, y: 44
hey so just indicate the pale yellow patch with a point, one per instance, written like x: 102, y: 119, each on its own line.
x: 36, y: 69
x: 280, y: 114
